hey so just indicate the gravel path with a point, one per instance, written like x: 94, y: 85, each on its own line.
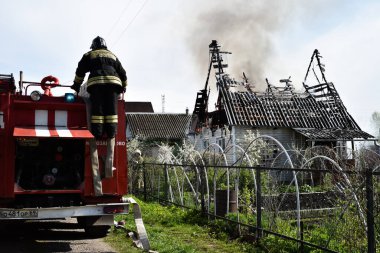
x: 49, y: 236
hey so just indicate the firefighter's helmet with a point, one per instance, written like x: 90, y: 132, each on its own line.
x: 98, y: 43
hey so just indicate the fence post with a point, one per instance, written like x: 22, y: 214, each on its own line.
x: 370, y: 218
x: 302, y: 247
x: 166, y: 182
x: 203, y: 183
x: 131, y: 172
x: 159, y: 181
x: 144, y: 179
x: 258, y: 204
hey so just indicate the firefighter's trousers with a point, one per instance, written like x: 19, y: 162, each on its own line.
x: 104, y: 110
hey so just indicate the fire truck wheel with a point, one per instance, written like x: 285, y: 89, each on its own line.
x: 97, y: 231
x: 91, y: 230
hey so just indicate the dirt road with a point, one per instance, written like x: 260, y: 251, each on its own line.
x: 48, y: 237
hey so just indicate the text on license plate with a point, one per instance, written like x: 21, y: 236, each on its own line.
x: 18, y: 214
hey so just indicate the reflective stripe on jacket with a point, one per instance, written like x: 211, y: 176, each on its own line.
x: 104, y: 68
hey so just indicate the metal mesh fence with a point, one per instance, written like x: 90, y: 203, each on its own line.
x: 324, y: 204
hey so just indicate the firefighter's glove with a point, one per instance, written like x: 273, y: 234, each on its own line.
x: 124, y: 85
x: 76, y: 87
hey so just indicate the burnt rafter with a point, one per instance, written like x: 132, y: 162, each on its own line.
x: 317, y: 109
x: 316, y: 57
x: 200, y: 112
x: 326, y: 93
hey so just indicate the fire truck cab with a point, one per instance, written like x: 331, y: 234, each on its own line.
x: 45, y: 165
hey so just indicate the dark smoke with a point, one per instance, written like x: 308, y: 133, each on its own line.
x: 243, y: 27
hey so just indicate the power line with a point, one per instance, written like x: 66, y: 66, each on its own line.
x: 133, y: 19
x: 118, y: 20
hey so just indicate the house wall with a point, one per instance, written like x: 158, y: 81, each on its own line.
x: 273, y: 155
x: 236, y: 135
x: 202, y: 140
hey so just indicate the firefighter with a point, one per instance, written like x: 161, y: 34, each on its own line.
x: 107, y: 79
x: 136, y: 181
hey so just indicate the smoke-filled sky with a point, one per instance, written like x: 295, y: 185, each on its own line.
x: 163, y: 45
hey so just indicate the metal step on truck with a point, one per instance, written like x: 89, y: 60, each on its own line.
x: 46, y: 170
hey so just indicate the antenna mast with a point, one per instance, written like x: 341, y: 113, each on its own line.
x: 163, y: 102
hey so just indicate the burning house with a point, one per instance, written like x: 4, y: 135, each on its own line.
x: 315, y: 116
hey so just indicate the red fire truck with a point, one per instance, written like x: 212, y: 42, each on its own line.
x: 45, y: 165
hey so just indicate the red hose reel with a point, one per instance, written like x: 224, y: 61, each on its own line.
x: 47, y: 83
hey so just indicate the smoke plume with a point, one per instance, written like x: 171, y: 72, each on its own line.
x: 243, y: 27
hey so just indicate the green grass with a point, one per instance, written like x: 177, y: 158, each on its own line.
x: 171, y: 229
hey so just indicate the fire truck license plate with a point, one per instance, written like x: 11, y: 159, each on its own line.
x: 18, y: 214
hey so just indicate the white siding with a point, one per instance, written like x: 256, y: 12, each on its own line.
x: 286, y: 136
x: 207, y: 137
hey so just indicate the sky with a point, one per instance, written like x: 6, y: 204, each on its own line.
x: 163, y: 45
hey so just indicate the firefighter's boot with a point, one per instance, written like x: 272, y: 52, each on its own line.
x: 109, y: 158
x: 95, y: 168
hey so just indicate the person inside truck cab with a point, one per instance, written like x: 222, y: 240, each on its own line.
x: 107, y: 79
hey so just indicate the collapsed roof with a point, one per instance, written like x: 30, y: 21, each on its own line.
x: 317, y: 113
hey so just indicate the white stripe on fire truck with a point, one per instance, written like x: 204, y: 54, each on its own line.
x: 41, y: 117
x: 42, y: 131
x: 1, y: 119
x: 60, y: 123
x: 41, y: 121
x: 60, y: 118
x: 63, y: 132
